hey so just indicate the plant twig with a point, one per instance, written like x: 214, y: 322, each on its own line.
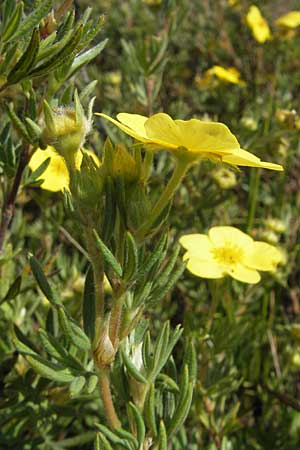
x: 9, y: 204
x: 106, y: 397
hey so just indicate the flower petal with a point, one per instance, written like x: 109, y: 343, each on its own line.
x: 203, y: 268
x: 241, y: 157
x: 224, y: 236
x: 244, y: 274
x: 125, y: 128
x: 135, y: 122
x: 56, y: 176
x: 289, y: 20
x: 197, y: 244
x: 263, y: 257
x: 195, y: 135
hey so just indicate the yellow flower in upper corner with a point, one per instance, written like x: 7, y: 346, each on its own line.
x: 210, y: 140
x: 229, y: 75
x: 289, y: 20
x: 228, y: 251
x: 258, y: 25
x: 56, y: 175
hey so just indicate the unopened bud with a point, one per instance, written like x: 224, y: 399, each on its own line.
x: 65, y: 128
x: 225, y: 178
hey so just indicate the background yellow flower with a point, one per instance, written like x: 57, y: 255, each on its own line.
x: 289, y: 20
x: 258, y: 25
x: 228, y: 251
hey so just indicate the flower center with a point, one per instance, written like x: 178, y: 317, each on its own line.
x: 228, y: 255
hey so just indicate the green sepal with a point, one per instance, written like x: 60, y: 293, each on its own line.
x: 149, y: 411
x: 139, y: 423
x: 108, y: 256
x: 33, y: 129
x: 77, y: 385
x: 26, y: 61
x: 42, y: 281
x: 89, y: 305
x: 132, y: 370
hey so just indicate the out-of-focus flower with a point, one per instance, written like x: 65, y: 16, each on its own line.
x: 249, y: 122
x: 227, y: 75
x: 195, y: 138
x: 56, y: 176
x: 114, y: 77
x: 228, y: 251
x: 152, y: 2
x: 276, y: 225
x: 269, y: 236
x: 289, y: 118
x: 232, y: 2
x: 224, y: 177
x: 289, y: 20
x: 258, y: 25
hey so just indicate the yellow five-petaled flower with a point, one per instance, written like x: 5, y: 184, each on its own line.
x: 228, y: 251
x: 197, y: 138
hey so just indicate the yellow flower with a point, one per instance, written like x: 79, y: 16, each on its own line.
x: 229, y: 75
x: 194, y: 138
x: 289, y: 20
x: 56, y: 175
x: 229, y: 251
x: 258, y: 25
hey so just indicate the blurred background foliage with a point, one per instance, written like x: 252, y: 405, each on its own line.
x: 156, y: 58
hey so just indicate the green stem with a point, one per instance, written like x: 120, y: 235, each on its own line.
x: 97, y: 264
x: 115, y: 321
x: 180, y: 170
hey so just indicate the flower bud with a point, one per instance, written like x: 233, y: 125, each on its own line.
x: 224, y: 178
x: 104, y: 352
x: 65, y: 128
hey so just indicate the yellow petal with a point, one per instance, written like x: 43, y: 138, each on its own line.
x: 263, y: 257
x: 56, y: 176
x: 241, y: 157
x: 204, y: 269
x: 135, y: 122
x: 229, y: 236
x: 90, y: 153
x: 244, y: 274
x: 195, y: 135
x: 197, y: 244
x: 289, y: 20
x: 125, y: 128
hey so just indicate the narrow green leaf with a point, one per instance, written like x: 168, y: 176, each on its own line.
x: 77, y: 385
x: 13, y: 290
x: 13, y: 23
x: 18, y: 124
x: 103, y: 443
x: 108, y: 256
x: 181, y: 412
x: 85, y: 58
x: 33, y: 19
x: 42, y: 281
x: 114, y: 438
x: 89, y: 305
x: 167, y: 382
x: 33, y: 129
x: 132, y: 370
x: 68, y: 51
x: 26, y: 61
x: 123, y: 434
x: 73, y: 331
x: 162, y: 437
x: 49, y: 369
x: 91, y: 383
x: 160, y: 292
x: 164, y: 356
x: 149, y: 411
x: 190, y: 359
x: 142, y: 294
x: 147, y: 352
x: 154, y: 257
x: 132, y: 259
x: 140, y: 426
